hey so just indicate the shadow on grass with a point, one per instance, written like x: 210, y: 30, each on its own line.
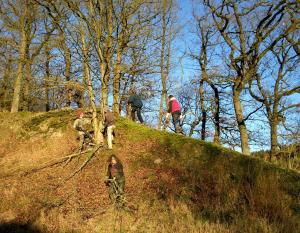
x: 223, y: 186
x: 13, y: 227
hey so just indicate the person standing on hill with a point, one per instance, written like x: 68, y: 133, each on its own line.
x: 115, y: 180
x: 174, y: 110
x: 109, y: 123
x: 83, y: 126
x: 136, y: 105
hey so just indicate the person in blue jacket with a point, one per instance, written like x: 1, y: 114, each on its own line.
x: 136, y: 105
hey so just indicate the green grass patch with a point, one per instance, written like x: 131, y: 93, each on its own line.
x: 218, y: 184
x: 52, y: 119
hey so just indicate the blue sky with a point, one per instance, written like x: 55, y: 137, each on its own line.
x: 185, y: 69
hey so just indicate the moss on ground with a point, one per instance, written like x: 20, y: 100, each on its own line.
x: 53, y: 119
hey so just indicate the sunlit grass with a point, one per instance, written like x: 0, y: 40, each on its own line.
x: 174, y: 183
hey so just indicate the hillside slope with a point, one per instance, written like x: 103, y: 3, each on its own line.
x: 173, y: 183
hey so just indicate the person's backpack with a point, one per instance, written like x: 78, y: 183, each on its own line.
x: 137, y: 102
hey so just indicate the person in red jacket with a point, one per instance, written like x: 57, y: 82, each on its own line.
x: 174, y: 109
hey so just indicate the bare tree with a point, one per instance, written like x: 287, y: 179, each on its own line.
x: 68, y: 65
x: 167, y: 36
x: 98, y: 19
x: 275, y: 98
x: 17, y: 25
x: 5, y: 82
x: 248, y: 42
x: 205, y: 54
x: 132, y: 22
x: 22, y: 19
x: 86, y: 73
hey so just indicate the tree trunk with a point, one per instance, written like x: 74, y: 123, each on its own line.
x: 161, y: 107
x: 162, y: 65
x: 96, y: 125
x: 123, y: 99
x: 216, y: 114
x: 105, y: 63
x: 274, y: 142
x: 203, y: 126
x: 47, y: 77
x: 240, y: 121
x: 104, y: 83
x: 4, y: 91
x: 122, y: 44
x: 67, y: 57
x: 193, y: 126
x: 18, y: 82
x: 27, y: 99
x: 203, y: 111
x: 116, y: 83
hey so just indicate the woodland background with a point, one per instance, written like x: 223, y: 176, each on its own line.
x: 233, y: 65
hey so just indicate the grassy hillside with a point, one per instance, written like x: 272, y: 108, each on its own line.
x: 173, y: 183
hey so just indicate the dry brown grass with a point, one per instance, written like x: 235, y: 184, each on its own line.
x: 191, y: 190
x: 150, y: 217
x: 52, y: 204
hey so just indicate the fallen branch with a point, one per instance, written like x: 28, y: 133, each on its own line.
x: 85, y: 162
x: 58, y: 204
x: 53, y: 162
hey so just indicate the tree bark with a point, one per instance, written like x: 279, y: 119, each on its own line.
x: 4, y: 91
x: 104, y: 85
x: 193, y: 125
x: 163, y: 74
x: 123, y: 39
x: 216, y: 114
x: 116, y: 83
x: 203, y: 111
x: 27, y: 82
x: 240, y: 121
x: 18, y: 81
x: 47, y: 77
x: 274, y: 142
x: 96, y: 124
x: 105, y: 62
x: 67, y: 58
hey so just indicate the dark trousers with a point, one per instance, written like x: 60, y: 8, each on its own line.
x: 116, y: 190
x: 176, y: 122
x: 138, y: 112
